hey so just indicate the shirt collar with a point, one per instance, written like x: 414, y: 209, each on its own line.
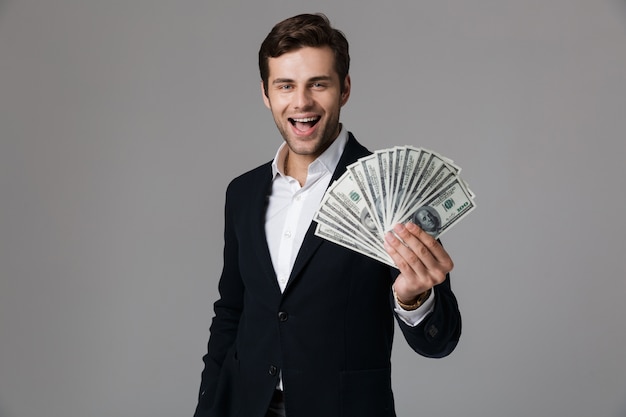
x: 327, y: 161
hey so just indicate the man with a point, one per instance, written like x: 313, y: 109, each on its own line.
x: 304, y: 327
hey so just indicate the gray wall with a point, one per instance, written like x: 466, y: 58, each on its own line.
x: 121, y: 123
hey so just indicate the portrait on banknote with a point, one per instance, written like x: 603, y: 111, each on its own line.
x: 428, y: 219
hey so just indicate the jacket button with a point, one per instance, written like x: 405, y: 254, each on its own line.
x: 273, y: 370
x: 432, y: 331
x: 282, y: 316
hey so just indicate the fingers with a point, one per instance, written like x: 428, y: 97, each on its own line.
x: 431, y: 244
x: 417, y: 254
x: 403, y: 256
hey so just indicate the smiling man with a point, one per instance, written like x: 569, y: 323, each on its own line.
x: 305, y: 95
x: 304, y: 327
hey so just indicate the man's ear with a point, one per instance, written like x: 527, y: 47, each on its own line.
x: 345, y: 94
x: 266, y: 100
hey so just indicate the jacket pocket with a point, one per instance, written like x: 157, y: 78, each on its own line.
x: 227, y: 394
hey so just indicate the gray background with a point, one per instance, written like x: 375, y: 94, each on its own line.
x: 122, y: 122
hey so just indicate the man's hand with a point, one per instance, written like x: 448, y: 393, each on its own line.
x: 422, y: 261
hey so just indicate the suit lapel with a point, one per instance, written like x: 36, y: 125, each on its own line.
x: 353, y: 151
x: 257, y: 211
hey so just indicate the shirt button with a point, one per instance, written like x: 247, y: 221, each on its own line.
x: 288, y: 234
x: 282, y: 316
x: 273, y: 370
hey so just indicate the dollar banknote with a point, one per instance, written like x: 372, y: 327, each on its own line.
x: 396, y: 185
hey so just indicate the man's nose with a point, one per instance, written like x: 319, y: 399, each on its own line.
x: 303, y: 99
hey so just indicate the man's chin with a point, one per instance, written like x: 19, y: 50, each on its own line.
x: 304, y: 151
x: 303, y: 145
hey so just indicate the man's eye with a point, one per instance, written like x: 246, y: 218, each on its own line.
x: 285, y: 87
x: 318, y: 85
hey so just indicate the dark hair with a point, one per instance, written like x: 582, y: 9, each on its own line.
x: 300, y: 31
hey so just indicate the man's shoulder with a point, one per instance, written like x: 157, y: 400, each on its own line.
x: 353, y: 151
x: 253, y: 178
x: 355, y: 148
x: 259, y: 172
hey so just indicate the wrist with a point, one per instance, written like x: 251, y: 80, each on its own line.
x: 413, y: 304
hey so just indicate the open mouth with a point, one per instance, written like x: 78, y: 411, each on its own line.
x: 305, y: 123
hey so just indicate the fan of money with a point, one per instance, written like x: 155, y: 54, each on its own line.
x: 391, y: 186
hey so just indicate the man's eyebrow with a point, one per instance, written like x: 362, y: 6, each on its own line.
x: 312, y: 79
x: 282, y: 80
x: 321, y: 78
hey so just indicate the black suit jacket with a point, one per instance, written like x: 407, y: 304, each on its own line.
x: 329, y: 333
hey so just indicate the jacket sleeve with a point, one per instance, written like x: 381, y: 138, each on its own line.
x: 438, y: 334
x: 227, y: 310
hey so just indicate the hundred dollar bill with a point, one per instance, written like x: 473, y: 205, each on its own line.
x: 333, y: 212
x: 441, y: 173
x: 326, y: 220
x: 354, y: 201
x: 397, y: 173
x: 468, y: 189
x: 385, y: 159
x: 368, y: 192
x: 340, y: 237
x: 415, y: 160
x: 443, y: 209
x: 421, y: 179
x: 368, y: 169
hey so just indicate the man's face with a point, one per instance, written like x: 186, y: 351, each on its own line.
x: 426, y: 220
x: 303, y: 93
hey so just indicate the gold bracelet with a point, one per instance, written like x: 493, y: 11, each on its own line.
x: 415, y: 305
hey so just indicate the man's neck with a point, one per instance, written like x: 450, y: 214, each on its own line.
x: 297, y: 167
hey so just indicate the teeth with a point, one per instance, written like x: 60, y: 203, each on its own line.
x: 306, y: 119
